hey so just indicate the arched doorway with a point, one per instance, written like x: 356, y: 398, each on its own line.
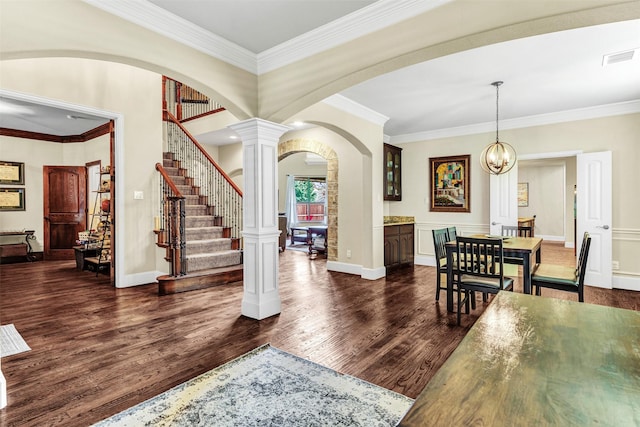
x: 293, y: 146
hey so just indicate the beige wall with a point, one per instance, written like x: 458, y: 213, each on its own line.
x: 35, y: 155
x: 73, y: 28
x: 350, y: 231
x: 546, y: 184
x: 53, y: 30
x: 230, y: 160
x: 452, y: 27
x: 620, y: 134
x: 358, y: 144
x: 134, y: 93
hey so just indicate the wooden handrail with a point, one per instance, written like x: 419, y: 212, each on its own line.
x: 199, y: 116
x: 167, y: 116
x: 169, y: 181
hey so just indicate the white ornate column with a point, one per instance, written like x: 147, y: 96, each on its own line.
x: 261, y: 298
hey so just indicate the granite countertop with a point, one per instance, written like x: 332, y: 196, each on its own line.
x: 399, y: 220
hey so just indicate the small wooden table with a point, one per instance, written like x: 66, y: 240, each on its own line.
x: 517, y: 248
x: 303, y: 237
x: 535, y: 361
x: 18, y: 249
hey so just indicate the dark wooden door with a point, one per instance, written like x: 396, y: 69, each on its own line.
x: 65, y: 200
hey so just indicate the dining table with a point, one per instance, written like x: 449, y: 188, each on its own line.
x: 523, y: 251
x: 536, y: 361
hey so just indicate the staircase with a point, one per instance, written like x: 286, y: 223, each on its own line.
x: 211, y: 256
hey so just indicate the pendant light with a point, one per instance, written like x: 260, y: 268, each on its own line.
x: 499, y: 157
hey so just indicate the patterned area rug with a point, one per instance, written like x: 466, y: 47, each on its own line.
x: 269, y: 387
x: 11, y: 342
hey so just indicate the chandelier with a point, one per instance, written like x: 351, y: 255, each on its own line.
x: 498, y: 157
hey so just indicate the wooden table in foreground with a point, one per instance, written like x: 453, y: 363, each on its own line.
x: 524, y: 249
x: 535, y: 361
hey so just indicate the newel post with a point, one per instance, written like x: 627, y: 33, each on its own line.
x: 261, y: 297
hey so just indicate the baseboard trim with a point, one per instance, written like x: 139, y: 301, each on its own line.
x: 373, y: 273
x: 138, y: 279
x: 343, y: 267
x: 428, y: 260
x: 626, y: 283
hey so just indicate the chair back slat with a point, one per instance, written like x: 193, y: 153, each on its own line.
x: 525, y: 231
x: 582, y: 259
x: 451, y: 234
x: 440, y: 237
x: 510, y: 230
x: 480, y: 257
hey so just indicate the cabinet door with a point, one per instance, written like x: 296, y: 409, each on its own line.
x: 406, y: 244
x: 391, y: 246
x: 392, y: 172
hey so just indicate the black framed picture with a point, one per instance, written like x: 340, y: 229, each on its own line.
x: 11, y: 173
x: 11, y: 199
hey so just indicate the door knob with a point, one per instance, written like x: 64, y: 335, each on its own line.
x: 604, y: 227
x: 495, y: 223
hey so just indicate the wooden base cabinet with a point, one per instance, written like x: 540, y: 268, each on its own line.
x: 398, y: 246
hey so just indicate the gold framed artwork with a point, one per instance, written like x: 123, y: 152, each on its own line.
x: 11, y: 199
x: 523, y: 194
x: 450, y: 183
x: 11, y: 173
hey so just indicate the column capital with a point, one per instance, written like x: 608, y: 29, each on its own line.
x: 257, y: 128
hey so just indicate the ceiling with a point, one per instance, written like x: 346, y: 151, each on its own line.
x: 545, y: 77
x: 28, y: 116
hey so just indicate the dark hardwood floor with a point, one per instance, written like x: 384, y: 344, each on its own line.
x: 97, y: 350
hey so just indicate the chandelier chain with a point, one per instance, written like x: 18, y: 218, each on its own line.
x: 497, y: 116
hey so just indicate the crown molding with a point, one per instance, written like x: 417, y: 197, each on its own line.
x: 588, y: 113
x: 371, y: 18
x: 363, y: 21
x: 348, y: 106
x: 154, y: 18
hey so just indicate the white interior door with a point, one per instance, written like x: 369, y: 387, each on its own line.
x: 594, y: 215
x: 503, y: 204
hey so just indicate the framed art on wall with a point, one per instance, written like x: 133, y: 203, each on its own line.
x: 11, y: 173
x: 450, y: 183
x: 11, y: 199
x: 523, y: 194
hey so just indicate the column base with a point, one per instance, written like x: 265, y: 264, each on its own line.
x: 261, y: 310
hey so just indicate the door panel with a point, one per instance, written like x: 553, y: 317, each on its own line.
x: 64, y: 209
x: 594, y: 215
x: 503, y: 204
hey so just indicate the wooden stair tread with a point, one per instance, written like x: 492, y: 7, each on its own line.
x: 208, y: 272
x: 202, y: 279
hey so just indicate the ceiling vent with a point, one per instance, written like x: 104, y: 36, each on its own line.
x: 614, y: 58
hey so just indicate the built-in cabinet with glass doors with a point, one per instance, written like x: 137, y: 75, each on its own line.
x: 392, y: 172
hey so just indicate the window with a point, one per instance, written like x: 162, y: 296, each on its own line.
x: 311, y: 196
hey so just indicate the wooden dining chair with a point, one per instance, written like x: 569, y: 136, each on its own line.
x: 452, y: 233
x: 561, y: 277
x: 525, y: 231
x: 483, y: 270
x: 440, y: 237
x: 509, y: 230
